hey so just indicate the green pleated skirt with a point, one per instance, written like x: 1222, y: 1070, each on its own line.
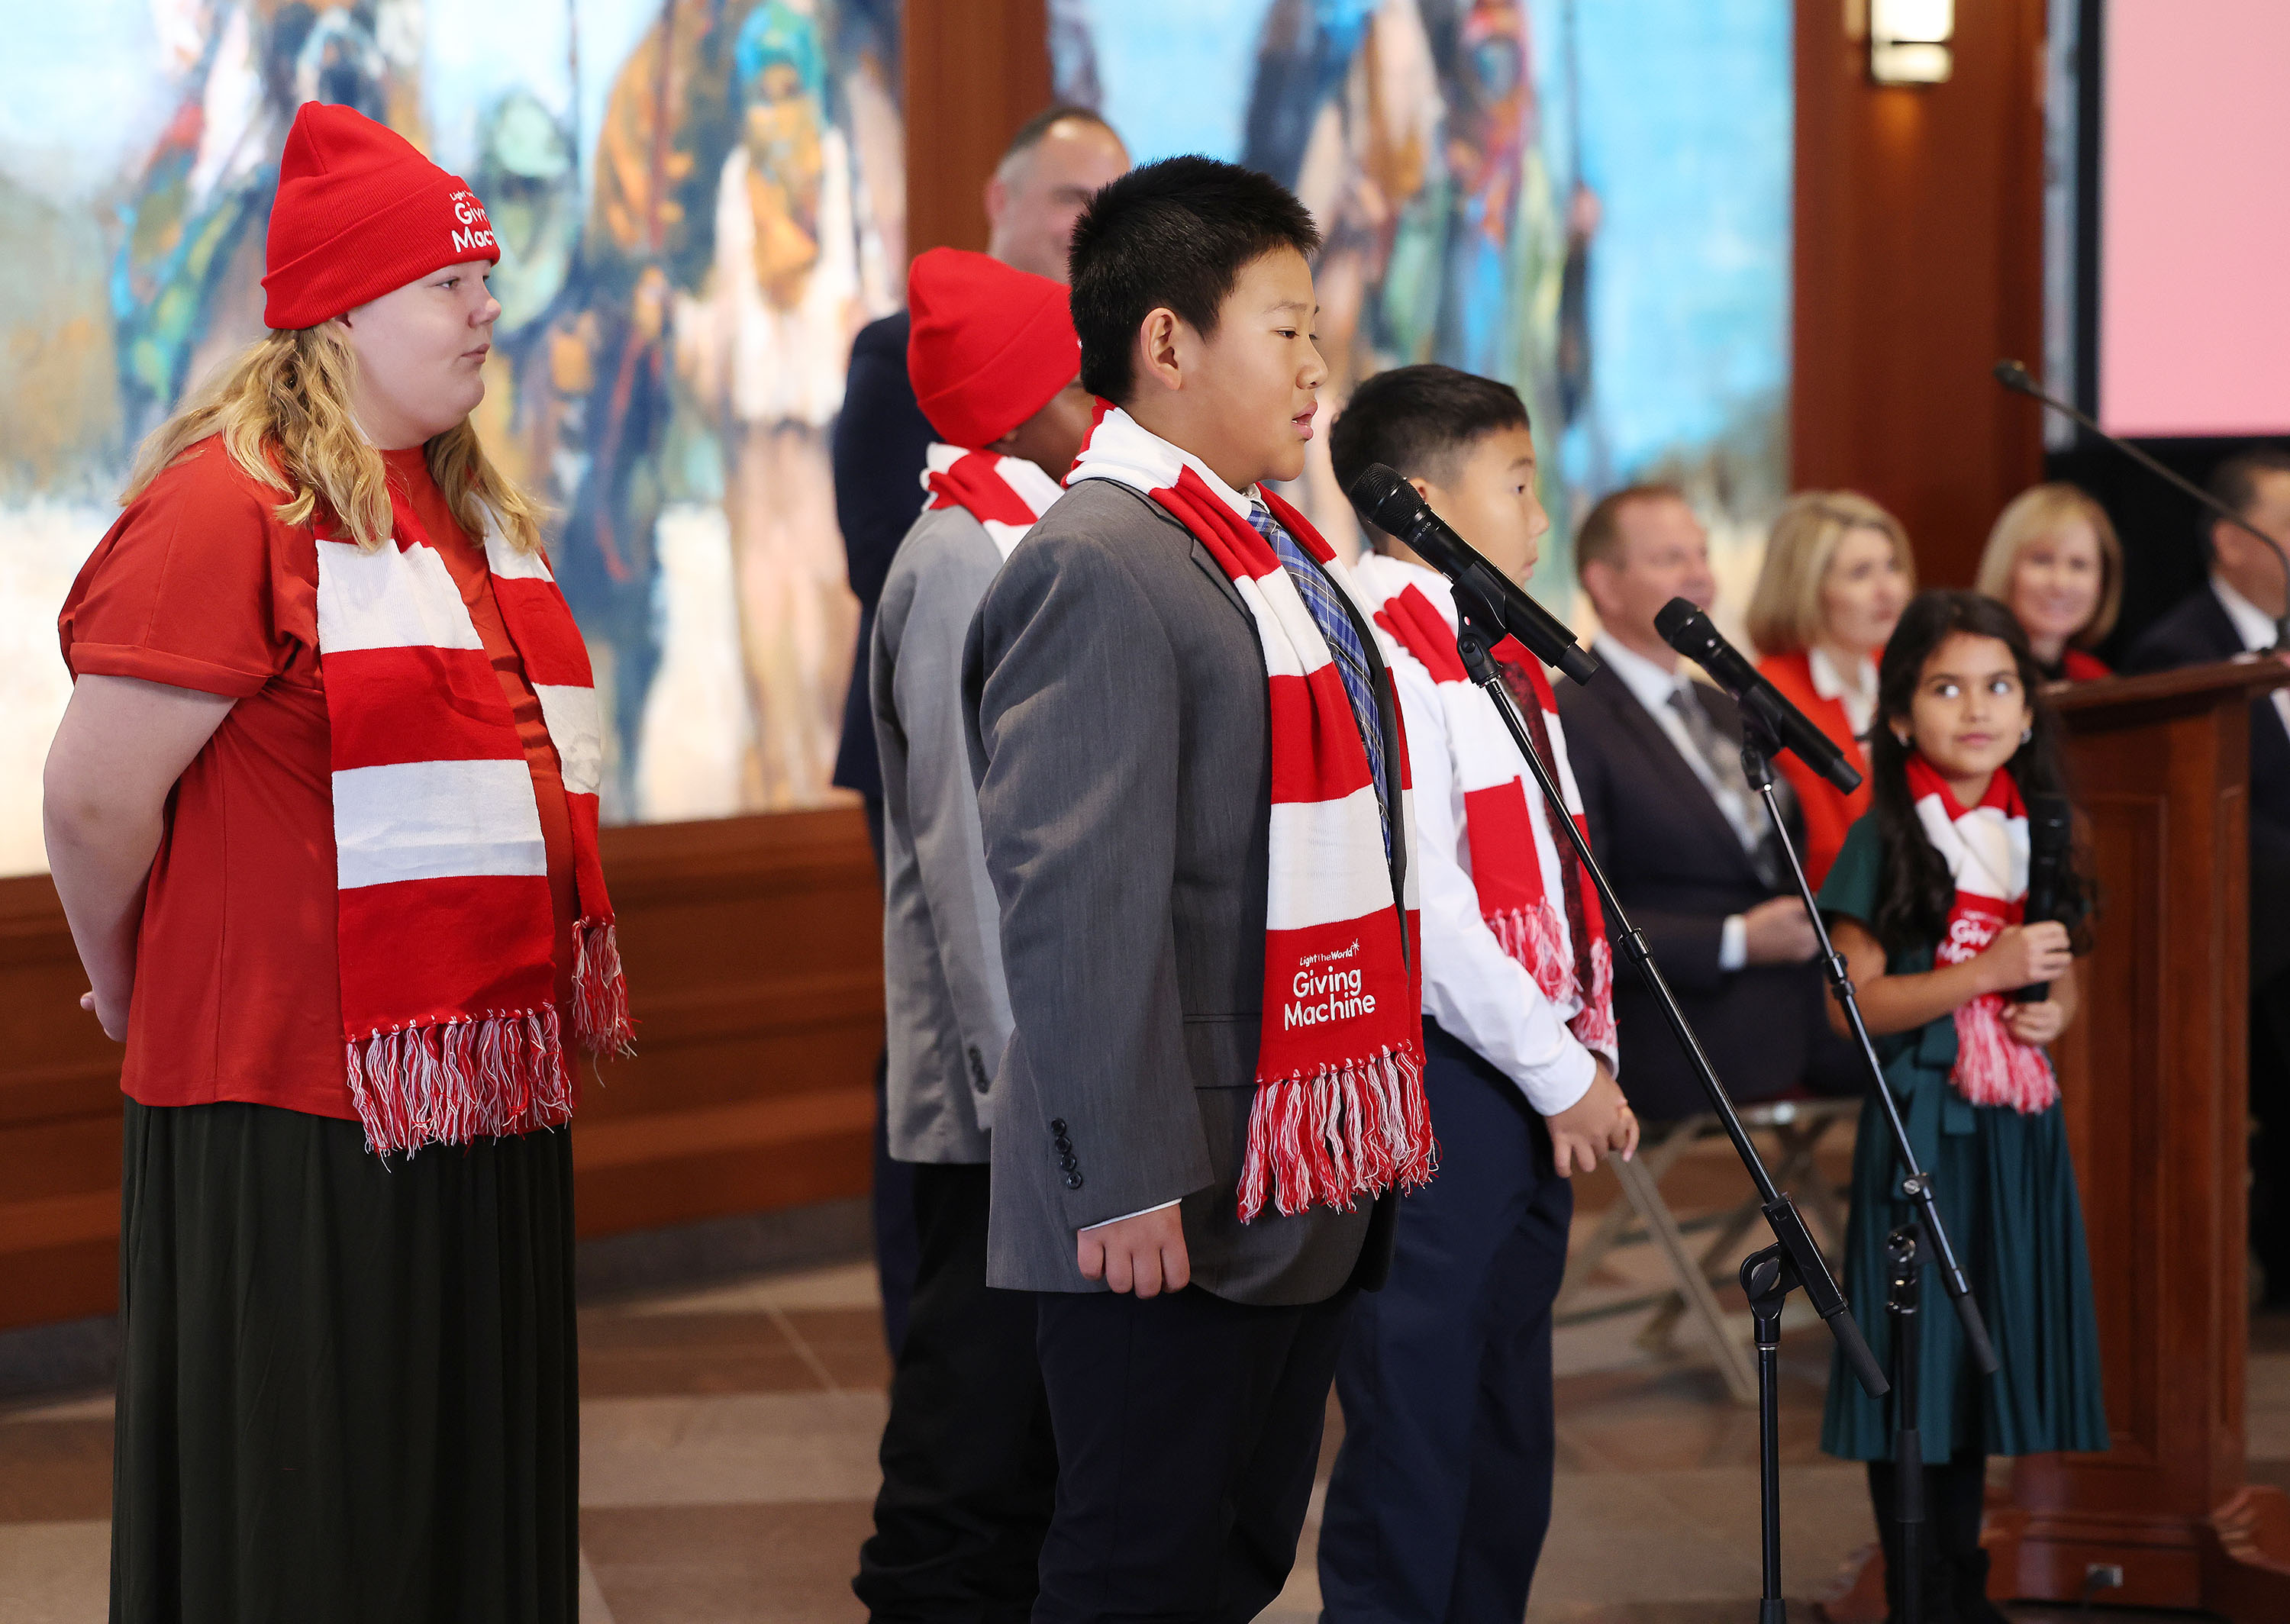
x: 2006, y: 1193
x: 347, y: 1390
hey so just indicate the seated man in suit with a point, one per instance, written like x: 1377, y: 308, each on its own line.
x: 2234, y: 613
x: 1685, y: 842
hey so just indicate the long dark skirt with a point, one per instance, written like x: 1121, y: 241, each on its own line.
x: 348, y: 1390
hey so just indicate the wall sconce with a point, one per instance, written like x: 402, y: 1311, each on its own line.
x: 1909, y: 41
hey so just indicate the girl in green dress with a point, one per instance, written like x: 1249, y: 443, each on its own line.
x: 1924, y: 901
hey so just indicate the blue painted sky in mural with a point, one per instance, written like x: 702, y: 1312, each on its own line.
x: 1176, y: 75
x: 1687, y: 122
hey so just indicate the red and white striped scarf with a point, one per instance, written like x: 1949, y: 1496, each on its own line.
x: 1516, y: 855
x: 1986, y: 851
x: 1005, y: 494
x: 445, y: 929
x: 1339, y: 1111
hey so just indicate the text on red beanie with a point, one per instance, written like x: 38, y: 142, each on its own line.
x: 359, y: 213
x: 989, y: 345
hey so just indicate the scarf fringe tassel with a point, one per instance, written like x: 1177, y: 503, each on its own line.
x: 458, y: 1080
x: 600, y: 994
x: 1994, y: 1068
x: 1326, y: 1140
x: 1531, y: 935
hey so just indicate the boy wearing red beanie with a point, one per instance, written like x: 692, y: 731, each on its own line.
x: 968, y: 1464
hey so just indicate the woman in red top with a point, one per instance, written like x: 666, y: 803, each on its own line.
x: 1837, y: 572
x: 2053, y: 560
x: 322, y: 813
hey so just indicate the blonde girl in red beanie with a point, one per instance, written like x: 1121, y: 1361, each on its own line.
x: 322, y: 815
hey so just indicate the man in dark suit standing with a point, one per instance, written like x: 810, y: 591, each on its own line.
x: 1685, y: 840
x: 1052, y: 165
x: 2234, y: 613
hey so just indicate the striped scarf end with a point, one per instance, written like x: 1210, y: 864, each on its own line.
x: 457, y: 1082
x: 1529, y: 934
x: 600, y: 992
x: 1328, y: 1139
x: 1993, y: 1067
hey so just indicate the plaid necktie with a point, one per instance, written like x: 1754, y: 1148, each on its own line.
x: 1319, y: 596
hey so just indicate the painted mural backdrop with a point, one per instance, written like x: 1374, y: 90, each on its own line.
x: 699, y: 202
x: 1588, y: 200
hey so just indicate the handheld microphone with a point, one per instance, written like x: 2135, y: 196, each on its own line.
x: 2049, y: 833
x: 2014, y: 375
x: 1389, y: 503
x: 1688, y: 630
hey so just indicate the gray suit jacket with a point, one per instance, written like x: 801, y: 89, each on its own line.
x: 1115, y: 697
x: 945, y: 1006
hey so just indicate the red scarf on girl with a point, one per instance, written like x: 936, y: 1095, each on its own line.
x: 1519, y: 864
x: 446, y: 930
x: 1340, y: 1110
x: 1986, y: 851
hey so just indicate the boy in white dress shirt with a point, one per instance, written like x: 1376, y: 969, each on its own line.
x: 1441, y: 1494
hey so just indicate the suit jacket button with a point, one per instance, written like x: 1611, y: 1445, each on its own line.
x: 1058, y: 1126
x: 1067, y: 1163
x: 1073, y: 1180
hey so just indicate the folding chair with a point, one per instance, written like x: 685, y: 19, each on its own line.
x: 1798, y: 1126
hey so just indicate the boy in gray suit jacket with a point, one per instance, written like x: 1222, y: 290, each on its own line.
x: 1213, y: 1078
x: 968, y: 1464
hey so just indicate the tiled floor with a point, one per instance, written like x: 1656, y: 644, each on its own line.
x: 728, y: 1467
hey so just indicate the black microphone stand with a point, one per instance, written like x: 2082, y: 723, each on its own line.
x: 1903, y: 1245
x: 1792, y: 1260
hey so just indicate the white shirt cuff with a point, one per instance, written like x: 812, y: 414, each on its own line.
x: 1561, y: 1084
x: 1126, y: 1217
x: 1734, y: 943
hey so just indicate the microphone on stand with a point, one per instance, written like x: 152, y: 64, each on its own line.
x: 1689, y: 631
x: 2014, y: 376
x: 2049, y: 838
x: 1390, y: 504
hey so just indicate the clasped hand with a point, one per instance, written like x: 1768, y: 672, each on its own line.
x: 1600, y: 1121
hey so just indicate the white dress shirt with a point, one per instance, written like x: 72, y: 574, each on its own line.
x: 2256, y: 629
x: 1651, y: 686
x: 1829, y: 682
x: 1472, y: 987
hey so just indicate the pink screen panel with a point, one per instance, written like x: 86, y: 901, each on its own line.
x: 2194, y: 306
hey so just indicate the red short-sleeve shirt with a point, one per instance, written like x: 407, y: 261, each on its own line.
x: 238, y: 992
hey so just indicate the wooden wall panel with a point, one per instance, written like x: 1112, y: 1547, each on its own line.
x: 975, y: 70
x: 1918, y: 262
x: 754, y: 956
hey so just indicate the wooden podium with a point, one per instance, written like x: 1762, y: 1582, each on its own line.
x: 2152, y: 1077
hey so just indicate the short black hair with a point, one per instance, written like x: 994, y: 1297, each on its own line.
x: 1173, y: 235
x: 1030, y: 133
x: 1418, y: 421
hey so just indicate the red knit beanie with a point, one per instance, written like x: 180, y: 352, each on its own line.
x: 360, y: 213
x: 989, y: 345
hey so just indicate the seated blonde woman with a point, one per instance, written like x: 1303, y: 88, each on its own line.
x: 1836, y: 575
x: 2053, y: 560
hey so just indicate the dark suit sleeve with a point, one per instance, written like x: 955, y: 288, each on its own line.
x: 1686, y: 945
x: 881, y: 440
x: 1071, y: 687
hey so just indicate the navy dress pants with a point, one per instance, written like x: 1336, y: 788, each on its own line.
x: 1441, y: 1494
